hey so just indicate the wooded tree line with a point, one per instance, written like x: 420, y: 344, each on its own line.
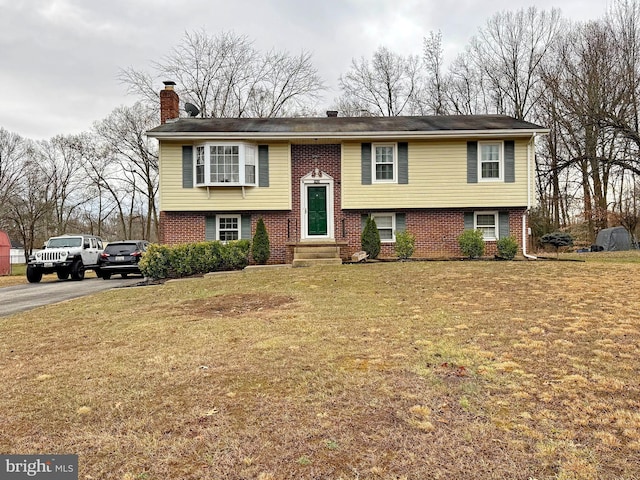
x: 579, y: 79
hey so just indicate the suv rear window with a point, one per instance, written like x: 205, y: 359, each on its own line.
x: 121, y: 248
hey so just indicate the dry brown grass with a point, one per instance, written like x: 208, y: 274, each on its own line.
x: 407, y: 370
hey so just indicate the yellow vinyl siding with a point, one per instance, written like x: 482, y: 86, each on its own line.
x: 277, y: 196
x: 437, y: 179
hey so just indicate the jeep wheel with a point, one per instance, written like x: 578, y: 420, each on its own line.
x: 106, y: 276
x: 63, y: 274
x: 77, y: 270
x: 33, y: 275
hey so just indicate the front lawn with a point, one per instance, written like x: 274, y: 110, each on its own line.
x: 414, y: 370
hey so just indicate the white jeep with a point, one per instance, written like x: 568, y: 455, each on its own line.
x: 67, y: 255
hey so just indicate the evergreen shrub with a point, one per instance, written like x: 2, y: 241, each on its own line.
x: 260, y: 249
x: 370, y: 238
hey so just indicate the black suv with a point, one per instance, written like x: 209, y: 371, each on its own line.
x: 121, y: 257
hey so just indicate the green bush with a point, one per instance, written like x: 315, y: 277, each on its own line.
x: 155, y: 261
x: 507, y: 248
x: 471, y: 243
x: 260, y: 250
x: 370, y: 238
x: 557, y: 239
x: 405, y: 244
x: 163, y: 261
x: 235, y: 255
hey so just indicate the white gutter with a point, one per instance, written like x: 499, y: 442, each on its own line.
x: 525, y: 232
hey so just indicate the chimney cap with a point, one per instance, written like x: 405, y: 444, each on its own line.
x: 169, y: 83
x: 332, y: 113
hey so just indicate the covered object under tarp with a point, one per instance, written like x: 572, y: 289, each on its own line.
x: 614, y: 239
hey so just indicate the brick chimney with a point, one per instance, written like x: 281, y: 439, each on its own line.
x: 169, y: 102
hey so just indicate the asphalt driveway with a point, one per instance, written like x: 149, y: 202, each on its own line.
x: 25, y: 297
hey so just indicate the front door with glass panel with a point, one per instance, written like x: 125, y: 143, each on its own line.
x: 317, y: 210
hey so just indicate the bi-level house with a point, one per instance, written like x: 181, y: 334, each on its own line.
x: 314, y: 180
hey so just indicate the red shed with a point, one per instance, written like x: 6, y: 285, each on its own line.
x: 5, y: 254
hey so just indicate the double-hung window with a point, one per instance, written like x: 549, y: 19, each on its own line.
x: 487, y: 223
x: 228, y: 227
x: 385, y: 162
x: 199, y: 165
x: 490, y: 161
x: 225, y: 164
x: 386, y: 223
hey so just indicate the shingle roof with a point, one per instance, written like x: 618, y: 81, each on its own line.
x: 339, y: 126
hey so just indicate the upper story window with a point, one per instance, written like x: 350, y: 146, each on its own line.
x: 225, y: 164
x: 385, y: 163
x: 490, y: 161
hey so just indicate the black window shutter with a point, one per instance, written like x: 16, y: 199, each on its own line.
x: 401, y: 222
x: 509, y: 161
x: 245, y: 227
x: 403, y: 162
x: 472, y: 162
x: 468, y: 220
x: 263, y: 165
x: 210, y: 227
x: 187, y: 166
x: 503, y: 224
x: 366, y: 164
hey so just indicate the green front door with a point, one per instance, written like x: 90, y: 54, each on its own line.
x: 317, y: 208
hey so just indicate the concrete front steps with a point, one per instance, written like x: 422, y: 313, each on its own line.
x: 308, y: 254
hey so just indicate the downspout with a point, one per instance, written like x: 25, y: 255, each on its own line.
x: 525, y: 233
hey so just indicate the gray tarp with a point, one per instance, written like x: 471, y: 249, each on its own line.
x: 614, y: 239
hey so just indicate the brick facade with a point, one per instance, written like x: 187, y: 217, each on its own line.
x: 436, y: 230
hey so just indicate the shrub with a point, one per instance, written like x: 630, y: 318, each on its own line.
x: 260, y: 247
x: 557, y: 239
x: 235, y: 255
x: 471, y: 243
x: 370, y: 238
x: 507, y: 248
x: 155, y: 261
x: 162, y: 261
x: 405, y: 244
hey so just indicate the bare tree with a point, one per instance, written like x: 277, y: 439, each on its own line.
x: 508, y: 52
x: 499, y: 72
x: 388, y: 85
x: 226, y: 76
x: 12, y: 164
x: 582, y: 85
x: 61, y: 168
x: 110, y: 193
x: 435, y: 94
x: 466, y: 92
x: 31, y: 202
x: 123, y: 135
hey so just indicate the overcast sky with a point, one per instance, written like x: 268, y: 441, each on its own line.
x: 59, y: 59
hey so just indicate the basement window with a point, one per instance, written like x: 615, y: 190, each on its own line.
x: 386, y: 223
x: 228, y: 228
x: 487, y: 223
x: 225, y: 164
